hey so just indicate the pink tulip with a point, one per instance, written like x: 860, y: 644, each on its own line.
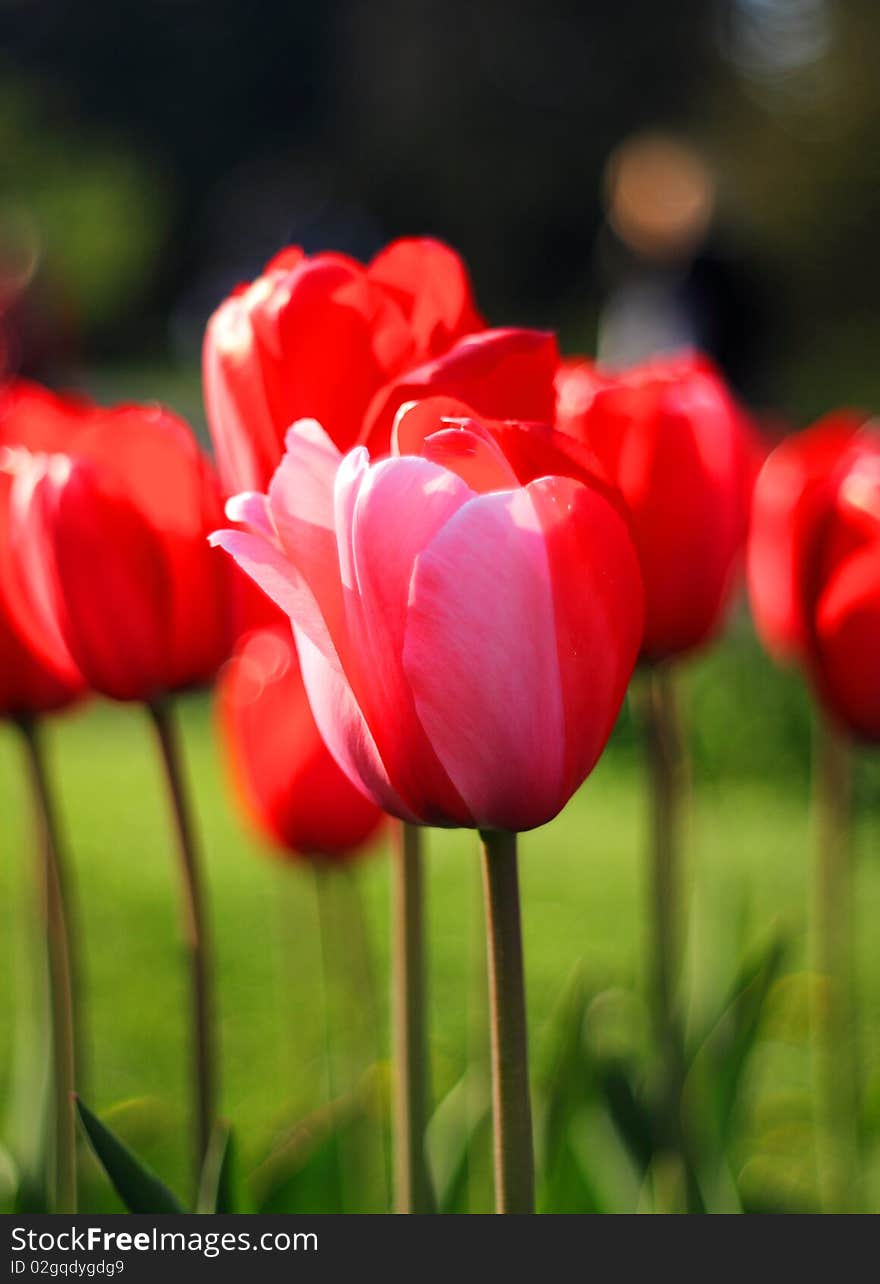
x: 465, y: 641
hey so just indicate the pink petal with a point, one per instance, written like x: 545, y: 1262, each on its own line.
x: 271, y: 571
x: 301, y: 508
x: 481, y: 656
x: 334, y: 705
x: 399, y: 506
x: 251, y: 508
x: 344, y: 729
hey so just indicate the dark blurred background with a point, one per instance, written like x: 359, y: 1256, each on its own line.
x: 154, y: 153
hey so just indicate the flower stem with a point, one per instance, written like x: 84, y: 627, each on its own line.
x: 321, y: 875
x: 665, y: 766
x: 60, y: 980
x: 365, y: 1021
x: 667, y: 775
x: 835, y: 1059
x: 514, y: 1158
x: 411, y: 1185
x: 195, y: 930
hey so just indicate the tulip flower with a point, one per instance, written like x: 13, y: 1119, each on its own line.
x: 275, y: 348
x: 670, y: 436
x: 792, y: 494
x: 112, y: 542
x: 110, y: 539
x: 814, y: 585
x: 282, y: 769
x: 466, y: 642
x: 813, y: 570
x: 408, y: 579
x: 844, y: 598
x: 403, y: 326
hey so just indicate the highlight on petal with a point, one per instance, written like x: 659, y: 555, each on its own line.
x: 344, y: 728
x: 430, y: 283
x: 251, y: 508
x: 480, y: 654
x: 399, y: 507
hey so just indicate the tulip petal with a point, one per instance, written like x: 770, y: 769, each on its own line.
x: 301, y: 507
x: 430, y: 284
x: 599, y: 611
x: 344, y: 729
x: 329, y: 337
x: 336, y: 710
x: 251, y: 508
x: 477, y: 460
x: 481, y: 656
x: 244, y: 435
x: 787, y: 504
x: 277, y: 577
x: 398, y: 507
x: 498, y: 373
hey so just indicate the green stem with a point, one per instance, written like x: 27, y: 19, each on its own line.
x: 411, y: 1184
x: 514, y: 1158
x: 667, y: 776
x: 478, y: 1060
x: 365, y: 1019
x: 60, y: 981
x: 321, y: 877
x: 195, y: 931
x: 835, y: 1059
x: 665, y: 767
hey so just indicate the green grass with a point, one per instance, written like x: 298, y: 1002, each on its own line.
x: 583, y: 904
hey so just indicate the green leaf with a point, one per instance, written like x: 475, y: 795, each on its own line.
x: 9, y: 1181
x: 458, y: 1142
x: 137, y: 1186
x: 631, y: 1117
x: 726, y: 1050
x: 303, y: 1174
x: 220, y: 1187
x: 569, y: 1095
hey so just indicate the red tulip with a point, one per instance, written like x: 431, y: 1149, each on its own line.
x: 111, y: 539
x: 40, y: 420
x: 33, y: 679
x: 28, y: 682
x: 319, y: 336
x: 329, y: 339
x: 282, y: 769
x: 670, y: 437
x: 790, y: 493
x: 814, y: 564
x: 466, y: 641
